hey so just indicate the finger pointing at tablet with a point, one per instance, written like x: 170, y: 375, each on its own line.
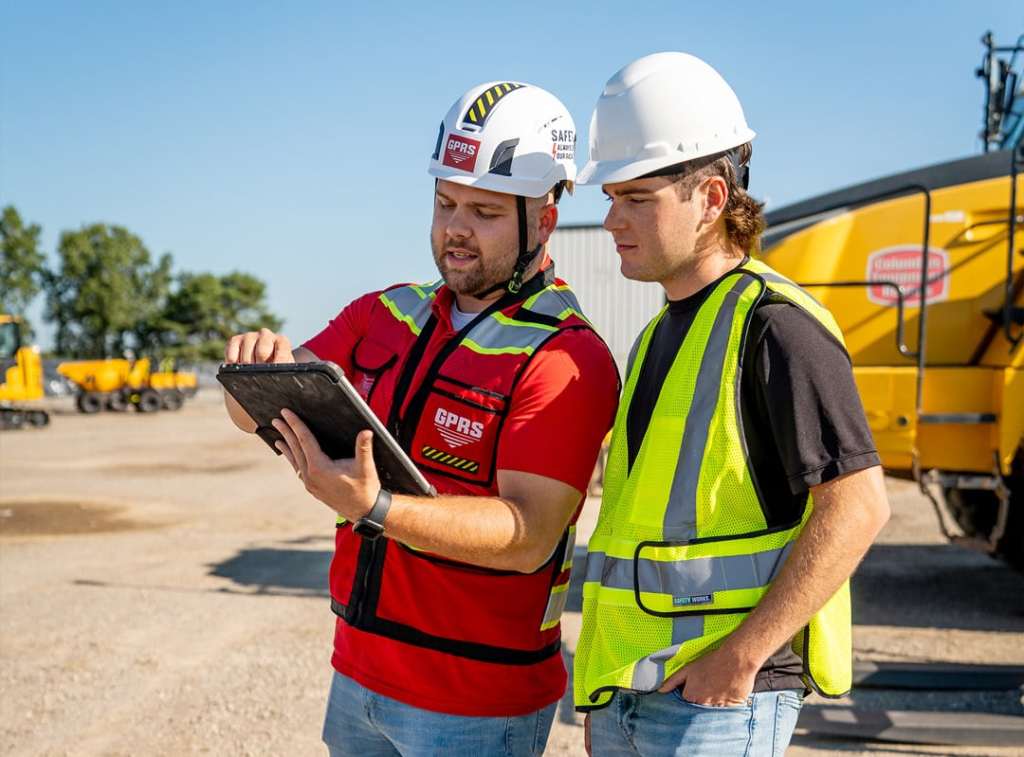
x: 263, y: 346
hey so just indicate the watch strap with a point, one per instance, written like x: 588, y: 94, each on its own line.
x: 380, y: 508
x: 374, y: 520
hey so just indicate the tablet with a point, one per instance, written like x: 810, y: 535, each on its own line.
x: 323, y: 398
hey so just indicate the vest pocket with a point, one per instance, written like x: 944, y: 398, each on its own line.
x: 369, y: 362
x: 709, y: 576
x: 457, y: 435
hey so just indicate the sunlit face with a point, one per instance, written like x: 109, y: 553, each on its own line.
x: 474, y: 236
x: 655, y: 232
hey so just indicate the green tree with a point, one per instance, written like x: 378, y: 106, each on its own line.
x: 21, y: 266
x: 204, y: 310
x: 105, y: 292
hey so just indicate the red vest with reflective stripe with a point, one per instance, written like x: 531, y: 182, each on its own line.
x: 447, y: 411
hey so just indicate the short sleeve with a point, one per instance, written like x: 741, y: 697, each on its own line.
x: 339, y: 337
x: 561, y: 410
x: 806, y: 387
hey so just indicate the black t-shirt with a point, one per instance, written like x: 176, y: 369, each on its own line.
x: 802, y: 417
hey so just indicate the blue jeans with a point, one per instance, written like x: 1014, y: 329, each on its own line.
x: 665, y: 724
x: 362, y: 723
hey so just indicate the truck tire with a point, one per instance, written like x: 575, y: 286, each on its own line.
x: 89, y: 403
x: 148, y: 402
x: 975, y: 512
x: 38, y: 418
x: 11, y: 418
x: 173, y: 399
x: 117, y: 402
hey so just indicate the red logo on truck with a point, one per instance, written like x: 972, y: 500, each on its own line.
x: 902, y: 265
x: 460, y: 152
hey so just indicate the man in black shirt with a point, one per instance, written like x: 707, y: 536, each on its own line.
x: 773, y: 448
x: 802, y: 417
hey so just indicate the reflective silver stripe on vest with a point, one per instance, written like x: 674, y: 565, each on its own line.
x: 649, y: 672
x: 413, y: 302
x: 492, y: 334
x: 593, y: 567
x: 681, y: 513
x: 556, y: 604
x: 554, y: 302
x: 687, y: 578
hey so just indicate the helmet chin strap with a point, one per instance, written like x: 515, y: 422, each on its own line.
x: 523, y: 261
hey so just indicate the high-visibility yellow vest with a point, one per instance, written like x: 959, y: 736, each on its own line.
x: 681, y: 552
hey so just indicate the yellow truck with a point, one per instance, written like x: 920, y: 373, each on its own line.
x: 119, y: 383
x: 21, y: 378
x: 941, y: 376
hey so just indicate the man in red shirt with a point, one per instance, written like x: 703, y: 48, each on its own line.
x: 448, y: 637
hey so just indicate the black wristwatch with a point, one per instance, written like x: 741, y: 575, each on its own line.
x: 371, y: 525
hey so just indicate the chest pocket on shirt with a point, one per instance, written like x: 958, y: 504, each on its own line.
x: 457, y: 435
x: 370, y: 360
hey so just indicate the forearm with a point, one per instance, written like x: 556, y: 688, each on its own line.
x: 848, y: 514
x: 517, y: 529
x: 238, y: 415
x: 487, y: 531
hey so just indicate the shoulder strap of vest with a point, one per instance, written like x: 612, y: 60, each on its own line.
x: 793, y: 292
x: 411, y: 303
x: 556, y: 302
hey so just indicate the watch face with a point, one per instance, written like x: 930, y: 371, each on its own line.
x: 367, y: 529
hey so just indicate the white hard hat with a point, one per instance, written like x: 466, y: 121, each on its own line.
x: 507, y: 137
x: 658, y: 111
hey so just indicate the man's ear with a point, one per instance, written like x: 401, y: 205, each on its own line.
x: 715, y: 191
x: 547, y: 222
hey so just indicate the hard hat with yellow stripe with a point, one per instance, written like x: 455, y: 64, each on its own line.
x: 506, y: 137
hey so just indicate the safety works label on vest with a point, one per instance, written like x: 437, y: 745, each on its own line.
x: 696, y: 599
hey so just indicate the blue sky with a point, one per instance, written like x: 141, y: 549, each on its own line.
x: 292, y: 140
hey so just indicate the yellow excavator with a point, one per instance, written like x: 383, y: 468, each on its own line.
x: 941, y: 376
x: 21, y: 378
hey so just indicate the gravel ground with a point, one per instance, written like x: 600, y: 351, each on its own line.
x: 162, y: 591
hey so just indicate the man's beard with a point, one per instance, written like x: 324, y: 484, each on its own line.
x: 475, y: 278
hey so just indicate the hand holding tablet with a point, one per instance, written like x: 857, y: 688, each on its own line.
x: 320, y: 395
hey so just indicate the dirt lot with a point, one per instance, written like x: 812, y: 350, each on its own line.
x: 162, y: 591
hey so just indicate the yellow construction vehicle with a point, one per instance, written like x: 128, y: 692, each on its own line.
x: 21, y: 378
x: 120, y: 383
x: 169, y: 380
x: 942, y: 381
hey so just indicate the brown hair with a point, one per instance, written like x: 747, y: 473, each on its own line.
x: 744, y: 219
